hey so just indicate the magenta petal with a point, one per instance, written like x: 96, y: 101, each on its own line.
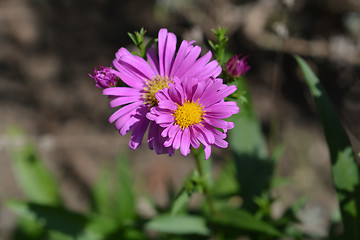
x: 165, y: 118
x: 152, y: 58
x: 128, y: 76
x: 122, y: 111
x: 140, y: 66
x: 207, y: 133
x: 167, y: 104
x: 200, y: 63
x: 200, y: 87
x: 124, y: 100
x: 174, y: 130
x: 211, y: 69
x: 207, y: 150
x: 138, y: 133
x: 128, y: 125
x: 219, y: 123
x: 221, y: 143
x: 168, y: 142
x: 121, y: 91
x: 125, y: 123
x: 185, y: 142
x: 162, y: 37
x: 151, y: 135
x: 122, y: 52
x: 177, y: 139
x: 169, y: 53
x: 179, y: 57
x: 193, y: 140
x: 174, y: 94
x: 189, y: 60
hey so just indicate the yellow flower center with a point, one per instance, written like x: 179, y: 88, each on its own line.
x: 188, y: 114
x: 152, y: 87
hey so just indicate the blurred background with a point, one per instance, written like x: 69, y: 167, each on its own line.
x: 48, y: 47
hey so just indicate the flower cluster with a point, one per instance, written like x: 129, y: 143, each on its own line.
x: 177, y: 95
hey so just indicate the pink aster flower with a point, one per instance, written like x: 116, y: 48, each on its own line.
x: 146, y: 78
x: 104, y: 77
x: 237, y: 66
x: 191, y: 112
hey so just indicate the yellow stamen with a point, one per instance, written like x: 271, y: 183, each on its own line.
x: 152, y: 87
x: 188, y: 114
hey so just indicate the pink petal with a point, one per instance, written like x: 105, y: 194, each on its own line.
x: 124, y: 100
x: 162, y: 37
x: 139, y: 66
x: 200, y: 63
x: 185, y: 142
x: 212, y: 69
x: 206, y: 132
x: 165, y: 118
x: 177, y: 139
x: 194, y: 141
x: 127, y: 75
x: 167, y: 104
x: 122, y: 52
x: 219, y: 123
x: 153, y: 61
x: 169, y: 53
x: 138, y: 133
x: 207, y: 150
x: 124, y: 110
x: 179, y: 57
x: 188, y: 61
x: 121, y: 91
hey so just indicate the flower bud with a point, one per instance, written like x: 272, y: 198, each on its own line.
x: 237, y: 66
x: 103, y: 77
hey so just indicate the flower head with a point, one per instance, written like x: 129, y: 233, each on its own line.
x: 104, y: 77
x: 237, y: 66
x: 192, y: 111
x: 146, y: 78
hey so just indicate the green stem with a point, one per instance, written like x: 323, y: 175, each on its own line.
x: 200, y: 167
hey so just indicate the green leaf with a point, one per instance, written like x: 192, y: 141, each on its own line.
x: 181, y: 224
x: 243, y: 220
x: 102, y: 203
x: 33, y: 177
x: 226, y: 183
x: 247, y: 137
x: 125, y: 199
x: 345, y: 170
x: 250, y: 152
x: 64, y: 224
x: 51, y: 217
x: 180, y: 201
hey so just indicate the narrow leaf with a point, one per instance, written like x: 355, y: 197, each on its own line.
x: 125, y: 199
x: 180, y: 202
x: 181, y: 224
x: 245, y: 221
x: 33, y: 177
x: 101, y: 195
x: 345, y: 170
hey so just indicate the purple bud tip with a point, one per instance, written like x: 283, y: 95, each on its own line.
x: 104, y: 77
x: 237, y: 66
